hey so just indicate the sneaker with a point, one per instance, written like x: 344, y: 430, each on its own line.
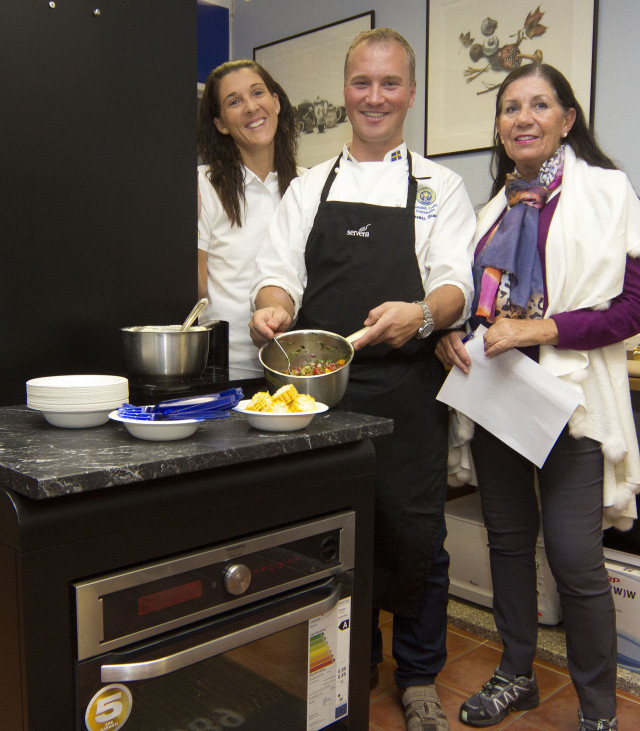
x: 422, y: 709
x: 501, y: 694
x: 602, y: 724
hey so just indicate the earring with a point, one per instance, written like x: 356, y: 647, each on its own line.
x: 565, y: 134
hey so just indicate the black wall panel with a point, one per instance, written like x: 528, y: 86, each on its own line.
x: 98, y: 205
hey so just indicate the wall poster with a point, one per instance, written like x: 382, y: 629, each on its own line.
x: 473, y: 44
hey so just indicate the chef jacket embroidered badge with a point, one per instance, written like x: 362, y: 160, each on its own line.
x: 426, y: 196
x: 426, y: 206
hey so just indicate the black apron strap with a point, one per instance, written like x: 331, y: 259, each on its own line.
x: 330, y: 178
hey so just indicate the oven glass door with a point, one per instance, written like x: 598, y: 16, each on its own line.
x: 280, y: 664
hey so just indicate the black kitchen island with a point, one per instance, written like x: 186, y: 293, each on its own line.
x: 78, y: 504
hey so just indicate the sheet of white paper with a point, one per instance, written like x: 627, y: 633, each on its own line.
x: 513, y: 397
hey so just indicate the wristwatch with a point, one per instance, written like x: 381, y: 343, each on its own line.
x: 427, y: 326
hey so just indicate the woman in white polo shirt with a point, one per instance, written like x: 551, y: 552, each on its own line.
x: 247, y: 141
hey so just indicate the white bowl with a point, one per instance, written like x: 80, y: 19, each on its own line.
x: 158, y: 431
x: 76, y: 419
x: 268, y: 421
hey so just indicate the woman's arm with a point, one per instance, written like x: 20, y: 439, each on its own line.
x: 509, y: 333
x: 586, y: 329
x: 583, y: 329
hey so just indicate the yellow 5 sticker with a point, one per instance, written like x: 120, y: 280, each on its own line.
x: 109, y: 708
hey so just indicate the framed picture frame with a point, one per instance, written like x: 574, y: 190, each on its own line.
x: 473, y: 44
x: 310, y: 68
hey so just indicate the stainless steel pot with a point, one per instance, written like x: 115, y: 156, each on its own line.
x: 303, y: 346
x: 151, y: 350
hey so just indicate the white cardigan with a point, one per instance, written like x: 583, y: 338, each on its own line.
x: 594, y: 227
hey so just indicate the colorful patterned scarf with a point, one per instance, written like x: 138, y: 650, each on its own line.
x: 511, y: 255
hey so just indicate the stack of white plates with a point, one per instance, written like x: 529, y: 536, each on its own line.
x: 77, y: 401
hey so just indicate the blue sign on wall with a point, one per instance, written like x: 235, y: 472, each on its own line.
x: 213, y: 38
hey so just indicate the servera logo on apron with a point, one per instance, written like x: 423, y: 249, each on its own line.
x: 362, y: 231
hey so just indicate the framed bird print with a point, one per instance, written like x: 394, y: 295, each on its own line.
x: 473, y: 44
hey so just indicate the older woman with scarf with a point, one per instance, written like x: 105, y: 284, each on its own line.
x: 556, y: 276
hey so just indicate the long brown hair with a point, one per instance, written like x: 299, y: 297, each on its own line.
x: 580, y: 137
x: 220, y: 152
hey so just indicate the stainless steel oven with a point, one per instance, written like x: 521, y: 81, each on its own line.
x: 252, y: 634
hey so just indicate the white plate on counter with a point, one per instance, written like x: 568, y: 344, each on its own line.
x: 77, y: 401
x: 80, y: 383
x: 270, y: 421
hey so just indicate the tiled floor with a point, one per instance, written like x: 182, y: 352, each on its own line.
x: 471, y: 662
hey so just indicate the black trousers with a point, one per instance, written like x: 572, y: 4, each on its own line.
x: 570, y: 486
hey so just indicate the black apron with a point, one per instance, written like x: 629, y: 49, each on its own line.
x: 357, y: 257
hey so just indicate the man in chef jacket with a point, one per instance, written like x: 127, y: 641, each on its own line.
x: 381, y: 236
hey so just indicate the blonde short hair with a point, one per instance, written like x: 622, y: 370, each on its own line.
x: 382, y: 35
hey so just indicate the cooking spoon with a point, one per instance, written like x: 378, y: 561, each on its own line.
x: 193, y: 315
x: 286, y: 355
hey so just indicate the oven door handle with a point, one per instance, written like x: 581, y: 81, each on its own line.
x: 192, y: 655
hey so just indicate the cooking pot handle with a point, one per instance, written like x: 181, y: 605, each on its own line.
x: 192, y: 655
x: 358, y: 334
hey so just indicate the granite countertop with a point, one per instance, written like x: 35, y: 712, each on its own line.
x: 42, y: 461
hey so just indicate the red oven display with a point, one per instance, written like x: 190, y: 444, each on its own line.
x: 169, y: 597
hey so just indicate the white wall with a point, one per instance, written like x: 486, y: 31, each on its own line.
x: 617, y: 92
x: 617, y: 116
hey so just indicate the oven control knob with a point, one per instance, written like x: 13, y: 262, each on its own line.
x: 237, y: 578
x: 329, y: 549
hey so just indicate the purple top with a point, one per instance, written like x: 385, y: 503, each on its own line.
x: 586, y: 329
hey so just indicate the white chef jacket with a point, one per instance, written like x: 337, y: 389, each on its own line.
x: 231, y: 252
x: 444, y: 221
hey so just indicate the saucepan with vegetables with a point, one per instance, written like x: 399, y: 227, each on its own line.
x: 318, y: 363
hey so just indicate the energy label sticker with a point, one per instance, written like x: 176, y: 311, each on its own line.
x: 109, y: 708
